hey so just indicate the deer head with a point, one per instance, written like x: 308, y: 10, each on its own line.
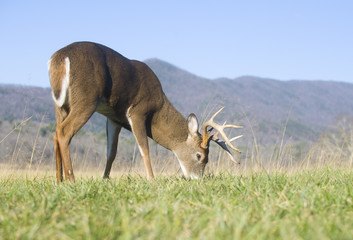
x: 193, y: 153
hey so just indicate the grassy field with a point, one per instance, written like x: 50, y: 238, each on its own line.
x: 310, y: 204
x: 279, y: 192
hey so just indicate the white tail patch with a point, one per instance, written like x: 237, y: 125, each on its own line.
x: 49, y: 64
x: 64, y: 85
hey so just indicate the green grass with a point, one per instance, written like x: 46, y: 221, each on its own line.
x: 310, y: 204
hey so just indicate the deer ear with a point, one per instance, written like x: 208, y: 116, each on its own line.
x: 193, y: 124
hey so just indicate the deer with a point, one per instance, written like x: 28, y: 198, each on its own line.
x: 87, y: 77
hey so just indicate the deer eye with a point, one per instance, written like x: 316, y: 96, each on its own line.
x: 198, y: 155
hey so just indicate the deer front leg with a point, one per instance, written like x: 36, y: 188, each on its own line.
x: 138, y: 127
x: 113, y: 130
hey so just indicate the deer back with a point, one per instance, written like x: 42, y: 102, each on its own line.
x: 101, y: 76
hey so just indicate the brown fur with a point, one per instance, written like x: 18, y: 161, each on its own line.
x: 102, y: 80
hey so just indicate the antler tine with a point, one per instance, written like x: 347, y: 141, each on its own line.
x: 232, y: 126
x: 219, y: 130
x: 210, y: 120
x: 206, y: 134
x: 214, y: 115
x: 235, y: 138
x: 226, y: 139
x: 224, y: 146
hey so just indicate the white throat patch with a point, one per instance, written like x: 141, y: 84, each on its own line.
x: 183, y: 169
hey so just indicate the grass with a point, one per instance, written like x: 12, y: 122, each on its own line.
x: 310, y: 204
x: 271, y: 195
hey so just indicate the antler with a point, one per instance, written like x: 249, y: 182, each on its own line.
x: 206, y: 135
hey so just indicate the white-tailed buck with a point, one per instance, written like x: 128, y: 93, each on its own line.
x: 87, y: 77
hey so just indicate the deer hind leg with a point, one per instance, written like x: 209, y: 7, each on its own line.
x: 138, y: 127
x: 60, y: 116
x: 75, y: 119
x: 113, y: 129
x: 59, y: 169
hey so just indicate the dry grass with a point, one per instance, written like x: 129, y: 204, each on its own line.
x: 27, y: 151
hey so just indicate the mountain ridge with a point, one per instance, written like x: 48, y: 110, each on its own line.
x: 261, y: 104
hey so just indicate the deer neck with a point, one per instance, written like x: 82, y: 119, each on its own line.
x: 169, y: 127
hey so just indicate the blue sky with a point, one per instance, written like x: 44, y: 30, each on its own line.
x: 308, y: 40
